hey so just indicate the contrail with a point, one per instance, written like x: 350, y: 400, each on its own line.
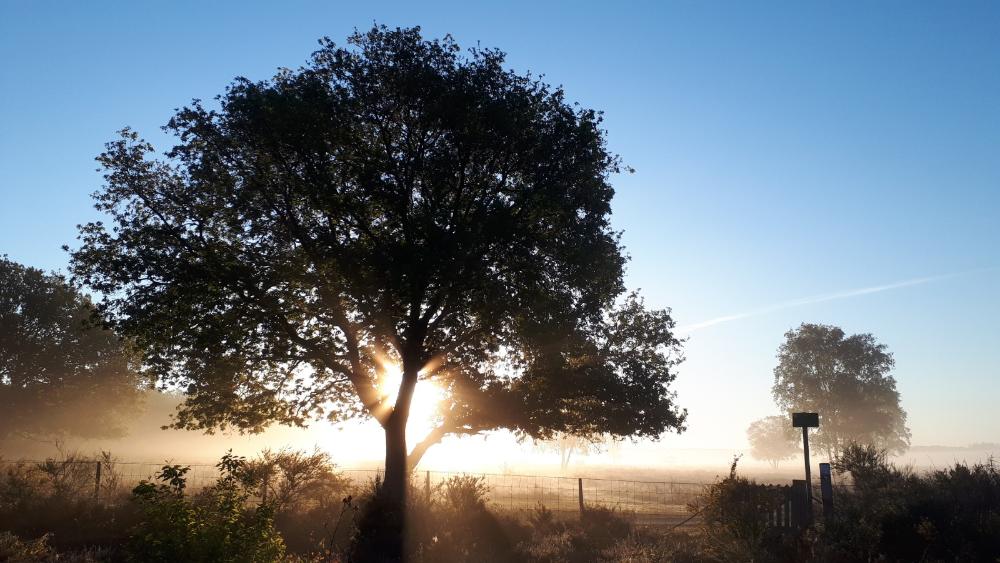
x: 822, y: 298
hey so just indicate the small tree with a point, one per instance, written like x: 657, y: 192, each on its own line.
x: 59, y: 374
x: 773, y: 439
x: 393, y: 205
x: 568, y: 444
x: 847, y: 380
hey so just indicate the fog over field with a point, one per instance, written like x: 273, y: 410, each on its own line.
x: 358, y: 446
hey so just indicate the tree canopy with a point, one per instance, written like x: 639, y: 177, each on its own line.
x: 394, y: 202
x: 60, y: 375
x: 847, y: 380
x: 773, y: 439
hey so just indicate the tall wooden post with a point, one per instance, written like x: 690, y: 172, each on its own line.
x: 805, y: 421
x: 427, y: 486
x: 579, y: 484
x: 805, y: 455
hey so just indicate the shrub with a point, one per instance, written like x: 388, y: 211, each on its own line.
x: 308, y: 497
x: 588, y: 537
x: 14, y: 549
x: 56, y: 498
x: 462, y: 526
x: 894, y: 514
x: 217, y: 525
x: 735, y: 515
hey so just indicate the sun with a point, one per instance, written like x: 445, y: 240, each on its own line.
x: 423, y: 409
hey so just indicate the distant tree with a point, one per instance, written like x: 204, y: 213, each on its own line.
x: 847, y: 380
x: 773, y: 439
x: 394, y: 203
x: 568, y: 444
x: 60, y: 376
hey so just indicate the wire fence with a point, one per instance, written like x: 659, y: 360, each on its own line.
x: 661, y: 504
x: 649, y: 503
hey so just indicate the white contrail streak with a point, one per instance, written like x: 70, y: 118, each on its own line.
x: 822, y: 298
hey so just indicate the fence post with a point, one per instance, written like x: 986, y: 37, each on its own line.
x: 427, y: 486
x: 579, y: 485
x: 97, y: 482
x: 800, y: 503
x: 826, y: 486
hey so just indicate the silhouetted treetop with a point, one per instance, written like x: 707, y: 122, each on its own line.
x: 60, y: 375
x: 395, y: 202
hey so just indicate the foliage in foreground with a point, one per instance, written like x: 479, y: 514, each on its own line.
x: 886, y: 514
x: 895, y: 514
x: 734, y: 512
x: 217, y: 525
x: 56, y: 498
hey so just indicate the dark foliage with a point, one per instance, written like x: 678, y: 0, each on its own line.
x: 56, y: 500
x: 735, y: 514
x: 216, y: 525
x: 393, y: 203
x: 60, y: 375
x: 894, y: 514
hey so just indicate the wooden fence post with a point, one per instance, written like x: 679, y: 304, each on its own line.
x: 579, y: 484
x: 97, y: 482
x: 427, y: 486
x: 800, y: 504
x: 826, y: 487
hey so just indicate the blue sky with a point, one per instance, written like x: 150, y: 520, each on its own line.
x: 782, y: 152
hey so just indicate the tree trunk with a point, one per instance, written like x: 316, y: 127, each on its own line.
x: 564, y: 461
x: 395, y: 460
x: 382, y: 529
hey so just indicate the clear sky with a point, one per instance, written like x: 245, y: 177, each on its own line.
x: 848, y: 152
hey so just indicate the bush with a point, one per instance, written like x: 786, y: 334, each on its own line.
x: 453, y: 524
x: 56, y: 499
x: 589, y: 537
x: 893, y: 514
x: 308, y: 496
x: 462, y: 527
x: 217, y: 525
x: 735, y: 514
x: 14, y: 549
x: 664, y: 547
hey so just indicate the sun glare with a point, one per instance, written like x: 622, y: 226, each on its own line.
x: 424, y: 408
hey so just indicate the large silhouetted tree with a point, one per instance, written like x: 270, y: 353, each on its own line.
x: 60, y: 374
x: 847, y: 380
x: 395, y: 202
x: 773, y: 439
